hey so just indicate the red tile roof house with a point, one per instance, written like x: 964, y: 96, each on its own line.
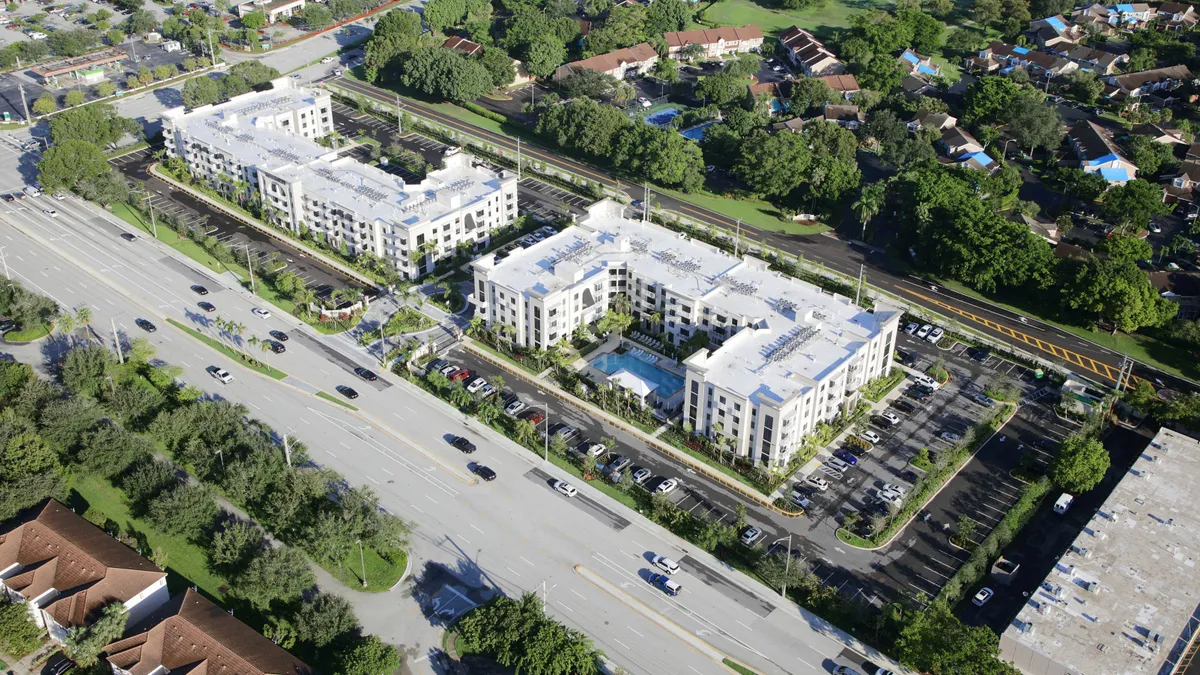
x: 66, y: 570
x: 716, y: 41
x: 622, y: 63
x: 808, y: 53
x: 192, y: 635
x: 463, y: 45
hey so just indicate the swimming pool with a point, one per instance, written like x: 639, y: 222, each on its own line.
x: 662, y: 117
x: 696, y: 133
x: 666, y: 383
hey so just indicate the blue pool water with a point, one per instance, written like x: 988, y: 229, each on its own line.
x: 696, y: 133
x: 667, y: 383
x: 663, y: 117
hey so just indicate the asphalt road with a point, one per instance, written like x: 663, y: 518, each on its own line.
x: 846, y: 257
x: 512, y: 534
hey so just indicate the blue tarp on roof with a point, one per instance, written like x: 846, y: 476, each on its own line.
x: 1105, y: 159
x: 1114, y: 175
x: 981, y: 157
x: 926, y: 70
x: 910, y: 57
x: 1021, y: 50
x: 1055, y: 23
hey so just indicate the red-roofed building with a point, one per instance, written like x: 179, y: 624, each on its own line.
x: 716, y: 41
x: 463, y: 45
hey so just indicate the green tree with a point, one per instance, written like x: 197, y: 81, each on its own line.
x: 624, y: 27
x: 1150, y: 156
x: 1034, y: 123
x: 935, y: 641
x: 325, y: 619
x: 809, y: 93
x: 98, y: 124
x: 519, y: 635
x: 85, y: 644
x: 44, y: 105
x: 200, y: 91
x: 254, y: 20
x: 544, y: 55
x: 140, y: 22
x: 721, y: 89
x: 778, y: 571
x: 670, y: 159
x: 23, y: 451
x: 187, y: 510
x: 745, y: 65
x: 870, y: 200
x: 275, y: 574
x: 1084, y: 85
x: 1127, y: 248
x: 1141, y: 59
x: 84, y: 369
x: 928, y: 33
x: 446, y: 73
x: 988, y: 99
x: 106, y: 89
x: 500, y: 65
x: 442, y: 14
x: 234, y: 545
x: 72, y: 43
x: 1117, y: 291
x: 1080, y: 464
x: 668, y: 16
x: 19, y: 635
x: 774, y: 164
x: 1133, y: 204
x: 367, y: 656
x: 315, y: 17
x: 74, y: 98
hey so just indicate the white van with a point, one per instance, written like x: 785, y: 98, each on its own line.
x: 1064, y: 502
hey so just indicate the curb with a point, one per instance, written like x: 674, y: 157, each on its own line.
x: 407, y: 569
x: 947, y: 482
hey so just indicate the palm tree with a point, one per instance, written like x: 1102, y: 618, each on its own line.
x: 253, y: 341
x: 66, y: 323
x: 83, y: 316
x: 461, y: 397
x: 869, y: 202
x: 524, y: 432
x: 487, y: 413
x: 474, y: 326
x: 498, y: 383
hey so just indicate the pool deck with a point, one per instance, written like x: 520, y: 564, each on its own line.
x: 664, y: 363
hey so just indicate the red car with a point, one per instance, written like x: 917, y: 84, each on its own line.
x: 460, y: 375
x: 13, y: 26
x: 535, y: 418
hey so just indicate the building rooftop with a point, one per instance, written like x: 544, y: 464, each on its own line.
x: 708, y: 36
x: 1129, y: 575
x: 795, y: 333
x: 604, y: 63
x: 1132, y: 81
x: 245, y: 126
x: 58, y: 550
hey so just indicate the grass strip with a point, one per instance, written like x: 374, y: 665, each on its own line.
x: 381, y: 574
x: 231, y: 352
x: 29, y: 334
x: 738, y: 668
x: 334, y: 399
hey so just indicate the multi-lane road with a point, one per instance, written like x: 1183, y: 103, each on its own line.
x: 1046, y: 341
x: 512, y: 534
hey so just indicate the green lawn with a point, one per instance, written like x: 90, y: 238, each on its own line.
x: 739, y: 668
x: 187, y: 563
x: 821, y: 19
x: 335, y: 399
x: 28, y: 334
x: 231, y: 352
x: 381, y: 574
x: 754, y: 212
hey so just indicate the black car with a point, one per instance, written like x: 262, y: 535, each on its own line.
x: 127, y: 236
x: 276, y: 347
x: 146, y: 325
x: 200, y: 290
x: 463, y: 444
x: 348, y: 392
x: 483, y: 472
x: 366, y: 374
x: 206, y: 306
x: 7, y: 325
x: 279, y: 335
x: 903, y: 406
x: 916, y: 394
x: 978, y: 354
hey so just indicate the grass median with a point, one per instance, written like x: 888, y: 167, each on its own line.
x: 232, y: 353
x: 334, y: 399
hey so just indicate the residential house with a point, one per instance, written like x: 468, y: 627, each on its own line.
x: 190, y: 634
x: 274, y: 10
x: 1095, y: 19
x: 1043, y: 227
x: 463, y: 45
x: 1096, y: 60
x: 915, y: 64
x: 1139, y: 84
x: 1193, y: 153
x: 716, y: 41
x: 1182, y: 187
x: 775, y: 94
x: 936, y: 120
x: 1177, y: 16
x: 1181, y: 288
x: 1098, y: 154
x: 66, y: 570
x: 621, y: 64
x: 980, y: 161
x: 808, y: 54
x: 847, y: 116
x: 1135, y: 15
x: 1053, y: 31
x: 1161, y: 134
x: 794, y: 125
x: 1040, y: 65
x: 845, y: 85
x: 914, y: 87
x: 957, y: 142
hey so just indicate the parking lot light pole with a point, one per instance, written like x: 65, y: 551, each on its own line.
x: 787, y: 567
x: 546, y: 409
x: 363, y: 560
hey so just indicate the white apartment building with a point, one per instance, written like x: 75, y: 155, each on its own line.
x: 268, y: 140
x: 783, y: 355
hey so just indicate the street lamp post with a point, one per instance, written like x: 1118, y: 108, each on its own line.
x: 546, y: 436
x: 1004, y: 152
x: 153, y: 223
x: 363, y: 560
x: 787, y: 567
x: 250, y: 267
x: 4, y: 259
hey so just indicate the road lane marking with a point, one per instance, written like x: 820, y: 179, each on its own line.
x: 417, y: 508
x: 576, y: 593
x: 386, y: 471
x: 478, y: 530
x: 464, y: 538
x: 373, y: 480
x: 526, y: 561
x: 622, y: 644
x: 513, y: 571
x: 431, y: 499
x: 635, y: 632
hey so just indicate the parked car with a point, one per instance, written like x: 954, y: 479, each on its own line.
x: 838, y: 465
x: 366, y: 374
x: 903, y: 406
x: 667, y: 486
x: 870, y: 668
x: 870, y: 437
x: 476, y: 385
x: 950, y: 437
x: 515, y: 407
x: 889, y: 417
x: 800, y: 499
x: 983, y: 400
x: 665, y: 564
x: 486, y: 390
x: 565, y: 431
x: 460, y: 375
x: 619, y: 464
x: 640, y: 475
x: 751, y: 535
x: 924, y: 332
x: 978, y: 354
x: 892, y: 487
x: 846, y: 456
x: 565, y: 488
x: 535, y: 418
x: 928, y: 383
x: 935, y: 335
x: 817, y: 482
x: 981, y: 598
x: 893, y: 499
x: 448, y: 369
x: 917, y: 394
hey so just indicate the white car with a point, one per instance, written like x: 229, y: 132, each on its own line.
x: 929, y: 382
x: 667, y: 486
x: 59, y: 196
x: 640, y: 476
x: 837, y: 465
x: 476, y: 385
x: 891, y: 417
x: 817, y: 482
x: 596, y: 449
x: 892, y: 498
x: 949, y: 437
x: 565, y: 488
x: 260, y: 312
x: 800, y: 500
x: 327, y: 59
x: 911, y: 328
x: 36, y: 35
x: 892, y: 487
x: 751, y: 535
x: 870, y: 436
x: 486, y: 391
x: 665, y: 564
x: 515, y: 407
x: 221, y: 375
x: 50, y: 212
x: 644, y: 102
x: 935, y: 335
x: 982, y: 597
x: 924, y: 332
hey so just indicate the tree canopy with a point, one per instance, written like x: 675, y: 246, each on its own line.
x: 520, y: 635
x: 446, y: 74
x: 1080, y: 464
x: 67, y: 164
x: 98, y: 124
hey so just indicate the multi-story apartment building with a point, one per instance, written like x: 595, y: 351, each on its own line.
x: 781, y: 355
x: 266, y: 143
x: 809, y: 54
x: 715, y: 41
x: 65, y: 570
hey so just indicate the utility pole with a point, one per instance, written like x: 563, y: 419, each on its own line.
x: 787, y: 567
x: 399, y: 118
x: 363, y: 560
x: 24, y: 104
x: 153, y: 223
x: 212, y: 52
x: 737, y: 240
x: 4, y: 259
x: 518, y: 158
x: 287, y: 451
x: 646, y: 202
x: 117, y: 341
x: 250, y: 267
x: 858, y: 290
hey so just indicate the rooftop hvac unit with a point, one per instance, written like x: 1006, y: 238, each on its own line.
x: 1082, y: 551
x: 1091, y: 586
